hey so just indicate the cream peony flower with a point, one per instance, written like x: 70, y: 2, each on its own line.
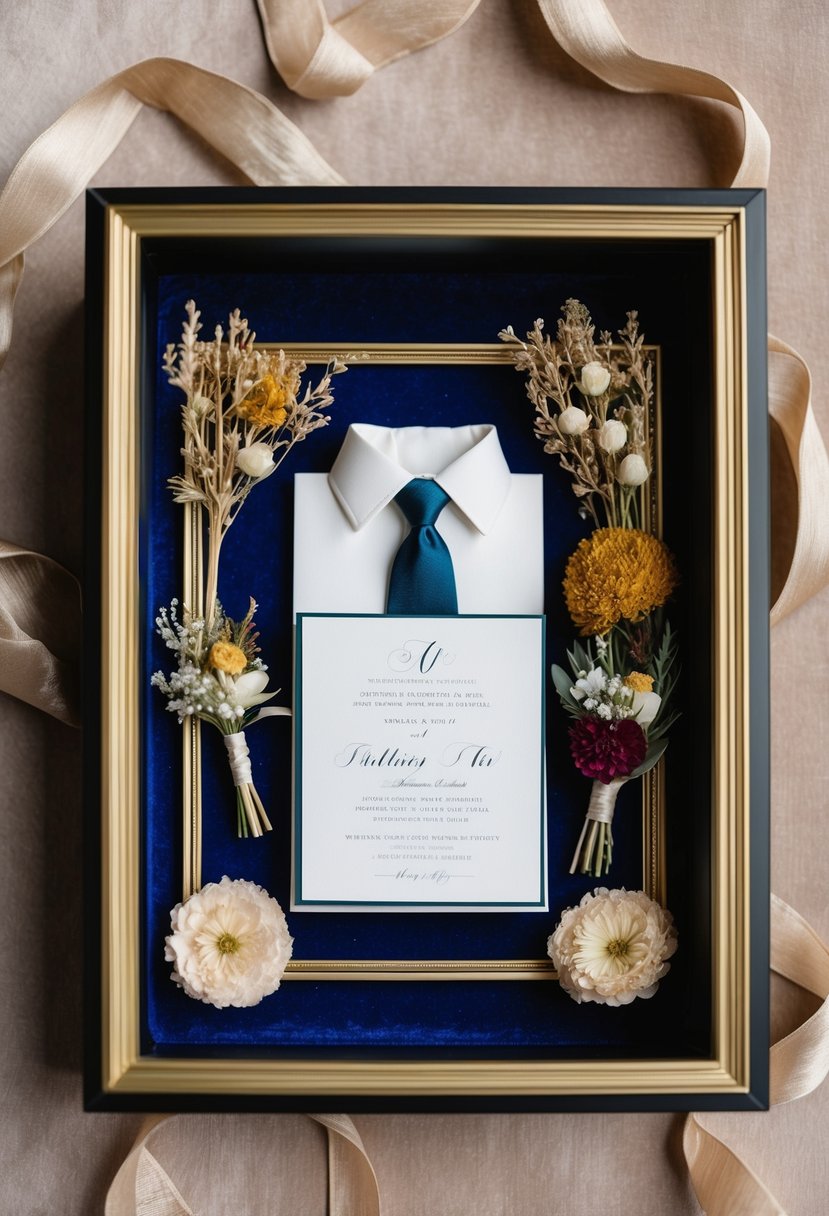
x: 229, y: 945
x: 256, y: 460
x: 612, y: 947
x: 594, y: 379
x: 573, y: 421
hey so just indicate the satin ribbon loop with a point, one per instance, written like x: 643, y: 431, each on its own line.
x: 40, y: 628
x: 238, y: 122
x: 588, y: 33
x: 798, y: 1063
x: 790, y: 405
x: 319, y: 59
x: 142, y: 1187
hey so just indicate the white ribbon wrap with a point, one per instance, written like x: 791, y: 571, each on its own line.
x: 596, y: 839
x: 603, y: 800
x: 238, y: 753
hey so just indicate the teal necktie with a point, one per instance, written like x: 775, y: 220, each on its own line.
x: 422, y: 580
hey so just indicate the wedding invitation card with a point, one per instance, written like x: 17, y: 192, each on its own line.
x: 419, y: 763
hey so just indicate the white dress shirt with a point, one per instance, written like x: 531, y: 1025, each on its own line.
x: 347, y: 529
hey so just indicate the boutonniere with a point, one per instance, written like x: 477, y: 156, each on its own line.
x: 243, y: 411
x: 591, y: 397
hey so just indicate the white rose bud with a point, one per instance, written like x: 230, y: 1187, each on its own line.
x: 645, y: 706
x: 594, y: 379
x: 573, y: 421
x: 633, y: 471
x: 612, y: 437
x: 256, y: 460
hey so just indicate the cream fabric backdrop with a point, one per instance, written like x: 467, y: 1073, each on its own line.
x: 496, y: 103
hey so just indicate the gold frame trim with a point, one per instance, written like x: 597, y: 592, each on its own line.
x: 653, y: 786
x: 123, y: 1067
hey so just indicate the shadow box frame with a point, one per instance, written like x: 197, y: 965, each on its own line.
x: 728, y: 488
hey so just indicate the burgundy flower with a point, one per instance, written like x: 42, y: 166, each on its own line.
x: 605, y: 750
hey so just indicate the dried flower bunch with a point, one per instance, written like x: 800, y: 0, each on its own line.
x: 612, y: 947
x: 221, y: 680
x: 244, y: 409
x: 591, y: 402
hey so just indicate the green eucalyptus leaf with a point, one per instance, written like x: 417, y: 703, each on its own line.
x: 563, y: 683
x: 654, y: 753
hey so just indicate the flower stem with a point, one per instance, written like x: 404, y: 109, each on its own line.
x: 214, y: 545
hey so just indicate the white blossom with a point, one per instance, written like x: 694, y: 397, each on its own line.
x: 229, y: 944
x: 612, y: 437
x: 633, y: 471
x: 594, y: 379
x: 573, y: 421
x: 645, y: 707
x: 255, y: 460
x: 612, y: 947
x: 589, y: 683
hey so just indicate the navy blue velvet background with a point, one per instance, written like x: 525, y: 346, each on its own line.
x: 368, y: 294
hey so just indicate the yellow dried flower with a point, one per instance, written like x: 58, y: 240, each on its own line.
x: 639, y: 682
x: 224, y: 656
x: 617, y: 574
x: 267, y: 402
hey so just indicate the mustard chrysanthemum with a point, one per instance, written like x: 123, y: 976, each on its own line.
x: 269, y: 400
x: 226, y: 656
x: 639, y: 682
x: 617, y: 574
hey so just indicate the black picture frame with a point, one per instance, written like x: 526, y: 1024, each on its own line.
x: 130, y: 233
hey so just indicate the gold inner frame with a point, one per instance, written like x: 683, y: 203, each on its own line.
x: 124, y: 1068
x: 653, y: 785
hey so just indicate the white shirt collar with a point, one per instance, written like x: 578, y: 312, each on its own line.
x: 376, y: 462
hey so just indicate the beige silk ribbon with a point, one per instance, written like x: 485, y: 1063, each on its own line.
x: 586, y: 30
x: 798, y: 1063
x: 40, y: 629
x: 319, y: 58
x: 142, y: 1187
